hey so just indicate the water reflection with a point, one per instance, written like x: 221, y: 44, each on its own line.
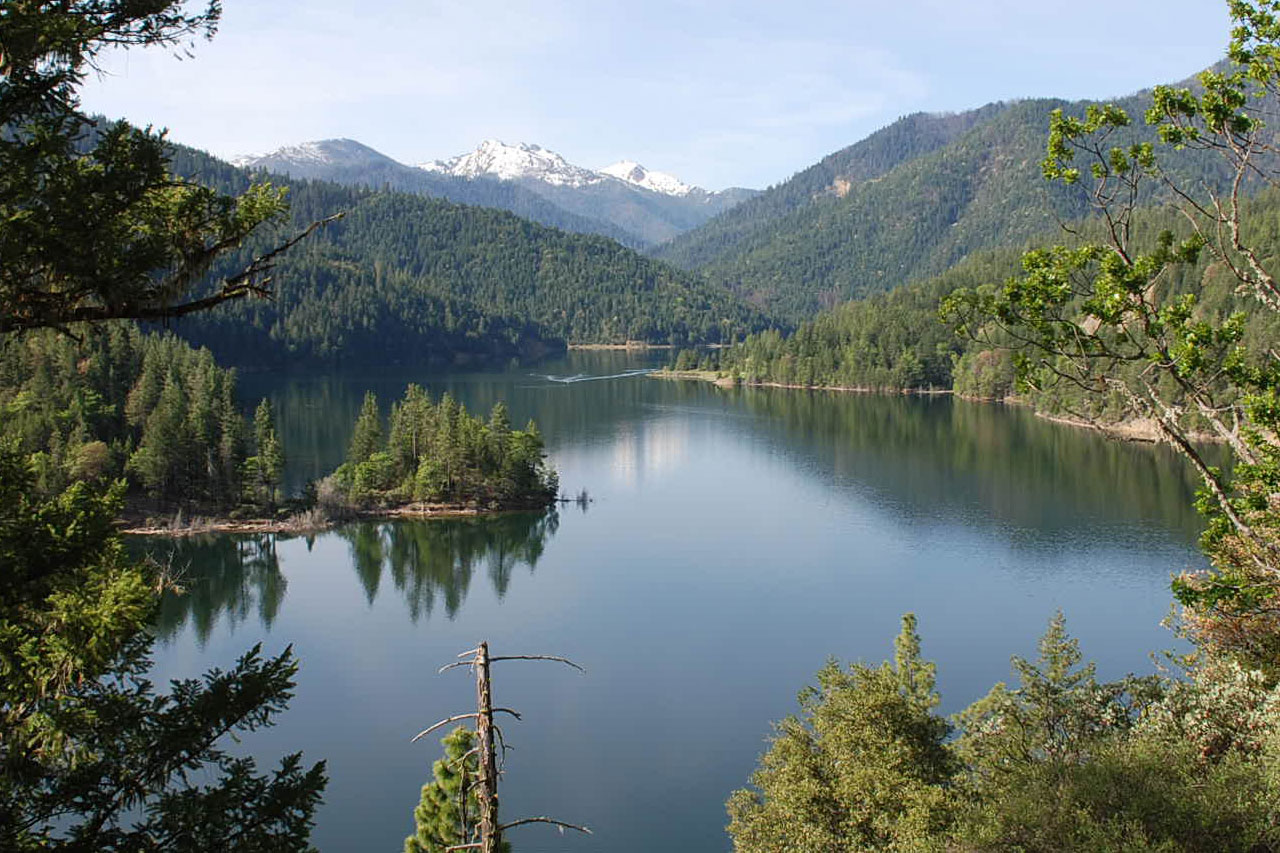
x: 759, y: 528
x: 315, y: 413
x: 430, y: 561
x: 945, y: 458
x: 231, y: 577
x: 236, y: 578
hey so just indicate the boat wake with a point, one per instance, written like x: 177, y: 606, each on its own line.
x: 584, y: 377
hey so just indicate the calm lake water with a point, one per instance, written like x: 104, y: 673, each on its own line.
x: 736, y: 539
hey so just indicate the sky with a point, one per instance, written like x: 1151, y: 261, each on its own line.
x: 719, y: 92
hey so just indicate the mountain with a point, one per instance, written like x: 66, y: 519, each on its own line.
x: 638, y: 208
x: 659, y: 182
x: 351, y: 163
x: 907, y: 202
x: 407, y: 279
x: 494, y: 159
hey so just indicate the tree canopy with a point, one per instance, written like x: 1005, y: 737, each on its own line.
x: 1114, y: 317
x: 95, y: 226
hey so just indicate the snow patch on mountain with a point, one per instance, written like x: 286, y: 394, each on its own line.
x: 658, y: 182
x: 512, y: 162
x: 497, y: 159
x: 322, y: 152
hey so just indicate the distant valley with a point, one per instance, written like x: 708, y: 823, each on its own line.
x: 404, y: 278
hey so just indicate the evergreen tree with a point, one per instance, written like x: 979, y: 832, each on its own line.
x: 366, y: 439
x: 91, y: 757
x: 268, y: 464
x: 106, y: 232
x: 862, y: 768
x: 449, y: 811
x: 93, y: 227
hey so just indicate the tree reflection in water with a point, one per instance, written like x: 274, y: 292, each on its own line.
x: 238, y: 576
x: 427, y: 561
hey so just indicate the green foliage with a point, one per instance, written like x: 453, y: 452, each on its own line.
x: 449, y: 810
x: 94, y: 225
x: 1058, y: 763
x: 267, y: 467
x: 91, y: 757
x: 120, y: 402
x: 366, y: 438
x: 862, y: 768
x: 1064, y: 763
x: 438, y: 453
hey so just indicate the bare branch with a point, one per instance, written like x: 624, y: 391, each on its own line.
x: 446, y: 721
x: 454, y: 665
x: 539, y: 657
x: 544, y: 819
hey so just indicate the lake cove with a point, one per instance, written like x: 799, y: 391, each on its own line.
x: 735, y: 538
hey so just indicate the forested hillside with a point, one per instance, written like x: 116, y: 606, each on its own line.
x: 150, y: 407
x: 404, y: 278
x: 898, y: 341
x: 907, y: 202
x: 907, y: 138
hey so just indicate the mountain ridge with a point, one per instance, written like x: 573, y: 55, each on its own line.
x: 907, y: 202
x: 638, y: 207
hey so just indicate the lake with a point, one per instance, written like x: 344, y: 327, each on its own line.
x: 734, y: 540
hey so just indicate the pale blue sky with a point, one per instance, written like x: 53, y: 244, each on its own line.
x: 719, y: 93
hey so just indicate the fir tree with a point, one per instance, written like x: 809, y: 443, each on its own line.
x: 366, y: 439
x: 269, y: 463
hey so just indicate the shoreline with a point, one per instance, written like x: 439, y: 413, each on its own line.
x: 629, y: 345
x: 310, y: 522
x: 1141, y: 430
x: 729, y: 382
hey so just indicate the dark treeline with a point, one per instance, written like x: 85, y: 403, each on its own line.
x: 152, y: 409
x: 892, y: 341
x: 408, y: 279
x: 124, y: 403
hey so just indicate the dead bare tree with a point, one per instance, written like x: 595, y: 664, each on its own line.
x: 486, y: 835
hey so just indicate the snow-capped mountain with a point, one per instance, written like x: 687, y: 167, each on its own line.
x: 505, y: 162
x: 624, y: 201
x: 522, y: 161
x: 659, y: 182
x: 302, y: 159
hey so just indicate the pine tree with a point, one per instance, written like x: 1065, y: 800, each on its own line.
x: 448, y: 812
x: 864, y: 767
x: 366, y: 439
x: 269, y: 462
x: 84, y: 739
